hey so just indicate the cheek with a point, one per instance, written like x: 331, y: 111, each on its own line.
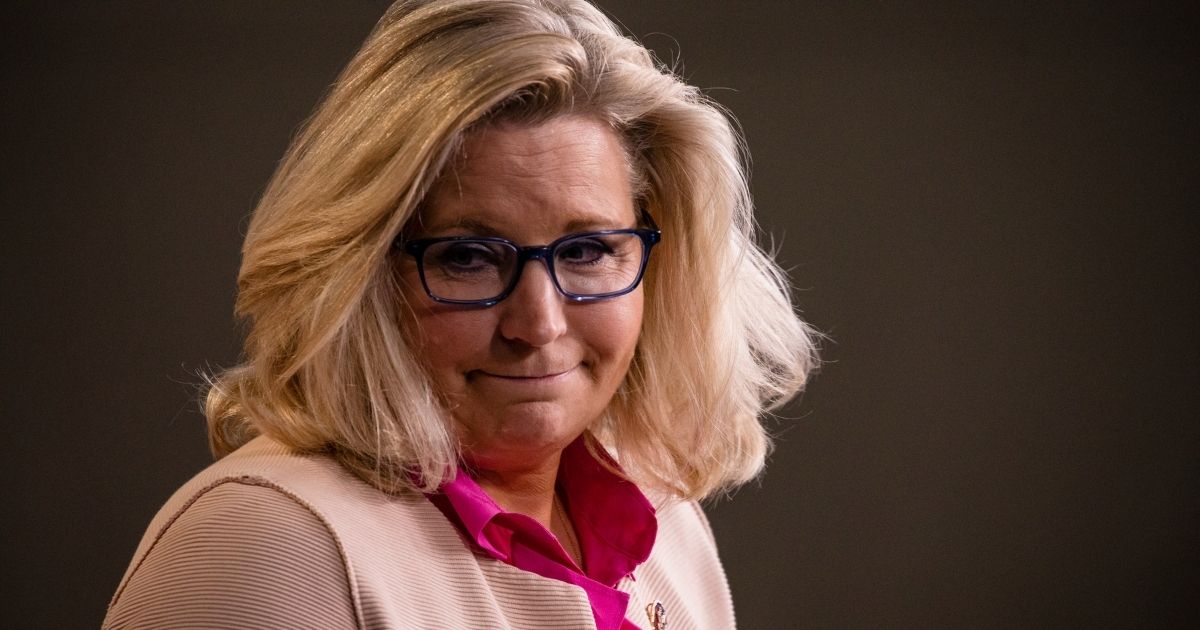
x: 443, y: 337
x: 613, y: 329
x: 448, y: 338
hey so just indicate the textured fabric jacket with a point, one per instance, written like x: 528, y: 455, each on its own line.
x: 267, y: 538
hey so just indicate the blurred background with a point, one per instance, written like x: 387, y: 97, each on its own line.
x: 989, y: 209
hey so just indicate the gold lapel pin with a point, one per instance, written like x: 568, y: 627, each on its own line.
x: 657, y: 613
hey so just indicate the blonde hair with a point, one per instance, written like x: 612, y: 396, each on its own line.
x: 327, y: 365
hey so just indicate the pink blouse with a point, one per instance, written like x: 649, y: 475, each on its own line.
x: 615, y: 524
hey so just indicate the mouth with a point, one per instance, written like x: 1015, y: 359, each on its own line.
x: 524, y: 377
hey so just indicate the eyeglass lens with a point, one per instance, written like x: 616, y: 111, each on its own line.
x: 587, y: 265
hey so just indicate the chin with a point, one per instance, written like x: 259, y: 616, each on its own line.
x: 524, y: 434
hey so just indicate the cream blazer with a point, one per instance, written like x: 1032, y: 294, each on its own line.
x: 267, y: 538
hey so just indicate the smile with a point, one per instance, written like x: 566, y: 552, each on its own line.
x: 533, y: 378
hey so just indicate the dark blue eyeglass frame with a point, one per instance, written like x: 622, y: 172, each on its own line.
x: 416, y: 248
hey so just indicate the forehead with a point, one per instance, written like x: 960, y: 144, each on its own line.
x: 533, y: 181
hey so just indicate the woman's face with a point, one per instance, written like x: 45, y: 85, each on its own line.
x: 525, y: 377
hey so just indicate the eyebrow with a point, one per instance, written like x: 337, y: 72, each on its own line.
x: 473, y: 226
x: 476, y: 227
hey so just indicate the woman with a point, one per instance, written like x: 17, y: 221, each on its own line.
x: 507, y: 324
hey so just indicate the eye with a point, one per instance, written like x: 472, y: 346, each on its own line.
x: 465, y: 256
x: 583, y: 251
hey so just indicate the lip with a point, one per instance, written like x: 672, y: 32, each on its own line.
x: 522, y: 378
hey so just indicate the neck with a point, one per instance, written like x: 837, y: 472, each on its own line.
x: 525, y: 491
x: 532, y: 492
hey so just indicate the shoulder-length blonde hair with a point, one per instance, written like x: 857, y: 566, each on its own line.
x: 327, y: 365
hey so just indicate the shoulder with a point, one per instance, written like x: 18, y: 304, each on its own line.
x: 237, y: 553
x: 311, y: 485
x: 281, y: 533
x: 684, y: 571
x: 683, y: 525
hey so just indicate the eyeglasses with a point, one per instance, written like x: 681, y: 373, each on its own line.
x: 482, y: 271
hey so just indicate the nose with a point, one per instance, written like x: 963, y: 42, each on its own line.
x: 533, y: 313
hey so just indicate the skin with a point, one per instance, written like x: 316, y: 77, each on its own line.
x: 526, y: 377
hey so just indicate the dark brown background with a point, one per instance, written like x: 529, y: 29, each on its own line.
x: 989, y: 210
